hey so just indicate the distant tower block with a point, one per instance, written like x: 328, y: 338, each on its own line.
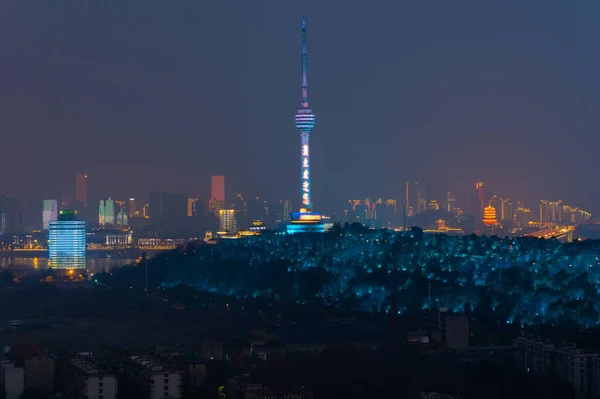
x: 305, y: 121
x: 81, y: 189
x: 480, y: 198
x: 217, y: 194
x: 217, y: 188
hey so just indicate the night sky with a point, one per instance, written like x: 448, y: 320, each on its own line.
x: 159, y: 95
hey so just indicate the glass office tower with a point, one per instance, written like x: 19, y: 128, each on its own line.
x: 66, y: 241
x: 49, y: 212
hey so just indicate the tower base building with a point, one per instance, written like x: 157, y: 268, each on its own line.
x: 305, y: 222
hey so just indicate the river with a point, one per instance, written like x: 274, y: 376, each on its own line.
x: 94, y: 265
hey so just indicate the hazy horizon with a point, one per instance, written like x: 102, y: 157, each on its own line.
x: 151, y: 96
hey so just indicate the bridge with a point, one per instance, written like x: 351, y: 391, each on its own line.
x: 562, y: 233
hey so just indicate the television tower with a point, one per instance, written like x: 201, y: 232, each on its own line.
x: 305, y: 121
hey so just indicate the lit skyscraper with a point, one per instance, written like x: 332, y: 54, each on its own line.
x: 523, y: 216
x: 544, y: 211
x: 305, y: 121
x: 132, y: 208
x: 450, y: 202
x: 480, y: 198
x: 550, y: 211
x: 506, y: 210
x: 227, y: 222
x: 555, y: 211
x: 217, y: 188
x: 81, y: 189
x: 217, y: 194
x: 66, y: 241
x: 49, y: 212
x: 106, y: 212
x: 191, y: 206
x: 2, y: 223
x: 122, y: 219
x: 286, y: 210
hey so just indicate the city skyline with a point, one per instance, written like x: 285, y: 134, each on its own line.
x: 379, y: 211
x: 390, y: 114
x: 440, y: 237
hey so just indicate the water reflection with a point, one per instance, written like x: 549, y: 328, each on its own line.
x: 94, y: 265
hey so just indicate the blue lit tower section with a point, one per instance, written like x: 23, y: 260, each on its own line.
x: 305, y: 121
x: 66, y: 242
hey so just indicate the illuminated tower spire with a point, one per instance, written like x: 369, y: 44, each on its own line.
x: 304, y: 103
x: 305, y: 121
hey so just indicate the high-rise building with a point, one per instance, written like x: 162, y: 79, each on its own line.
x: 258, y: 209
x: 480, y: 198
x: 305, y: 121
x: 190, y: 206
x: 386, y: 212
x: 106, y: 212
x: 217, y: 194
x: 174, y: 207
x: 241, y: 210
x: 3, y: 229
x: 120, y: 206
x: 523, y: 216
x: 227, y: 222
x: 422, y: 205
x: 67, y: 241
x: 419, y: 199
x: 217, y: 188
x: 441, y: 194
x: 555, y: 211
x: 155, y: 206
x: 198, y: 209
x: 286, y: 210
x: 11, y: 207
x: 450, y: 201
x: 433, y: 205
x: 551, y: 211
x: 31, y: 216
x: 81, y: 189
x: 544, y: 211
x: 392, y: 204
x: 506, y: 209
x: 131, y: 207
x: 122, y: 219
x: 49, y: 213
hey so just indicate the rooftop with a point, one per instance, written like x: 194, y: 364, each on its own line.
x: 24, y: 351
x: 149, y: 363
x: 87, y: 366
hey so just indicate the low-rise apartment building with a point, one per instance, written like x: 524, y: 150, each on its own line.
x: 12, y: 379
x: 154, y: 377
x: 86, y: 380
x: 577, y: 366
